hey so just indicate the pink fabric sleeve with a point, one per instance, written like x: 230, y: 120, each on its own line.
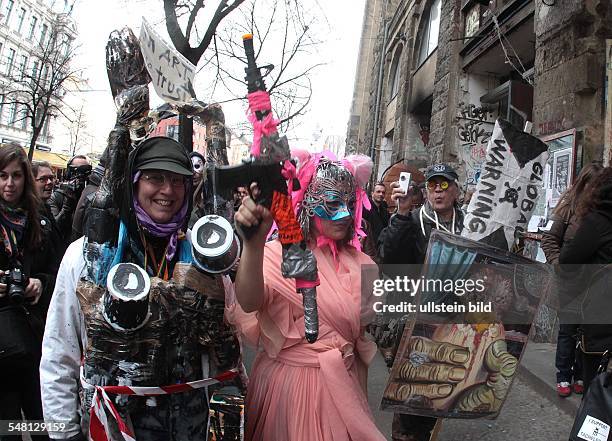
x: 273, y: 327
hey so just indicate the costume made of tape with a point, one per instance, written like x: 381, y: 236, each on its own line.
x: 184, y: 339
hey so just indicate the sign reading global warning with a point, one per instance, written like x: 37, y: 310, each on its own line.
x: 172, y: 74
x: 510, y: 183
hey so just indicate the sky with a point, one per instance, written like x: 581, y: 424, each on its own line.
x: 339, y: 28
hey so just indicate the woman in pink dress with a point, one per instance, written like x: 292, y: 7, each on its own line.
x: 300, y: 391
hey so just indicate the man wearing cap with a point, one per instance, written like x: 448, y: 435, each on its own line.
x: 183, y: 337
x: 405, y: 241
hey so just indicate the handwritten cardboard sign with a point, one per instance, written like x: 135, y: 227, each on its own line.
x: 171, y: 72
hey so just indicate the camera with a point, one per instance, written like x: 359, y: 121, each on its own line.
x: 76, y: 178
x: 16, y: 283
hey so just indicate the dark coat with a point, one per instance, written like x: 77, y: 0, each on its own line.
x: 41, y: 263
x: 561, y: 231
x: 78, y: 222
x: 378, y: 219
x: 592, y: 245
x: 63, y: 204
x: 403, y: 241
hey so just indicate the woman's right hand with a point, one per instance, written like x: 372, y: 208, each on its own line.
x: 250, y: 214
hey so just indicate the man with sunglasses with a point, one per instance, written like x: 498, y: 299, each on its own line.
x: 405, y: 241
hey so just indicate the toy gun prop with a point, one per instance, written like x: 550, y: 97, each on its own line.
x: 270, y: 166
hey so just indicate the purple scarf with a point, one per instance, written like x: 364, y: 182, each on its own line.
x: 162, y: 230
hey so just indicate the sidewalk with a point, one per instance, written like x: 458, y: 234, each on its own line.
x: 537, y: 369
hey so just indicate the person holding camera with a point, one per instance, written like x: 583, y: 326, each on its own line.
x: 63, y: 201
x: 26, y: 283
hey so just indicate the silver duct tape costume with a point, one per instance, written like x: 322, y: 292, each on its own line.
x: 184, y: 339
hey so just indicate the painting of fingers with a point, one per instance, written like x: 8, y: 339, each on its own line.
x: 462, y: 365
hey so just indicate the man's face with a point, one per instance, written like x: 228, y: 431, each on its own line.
x: 44, y: 182
x: 378, y: 195
x: 441, y: 193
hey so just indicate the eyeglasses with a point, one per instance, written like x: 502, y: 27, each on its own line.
x: 160, y: 179
x: 45, y: 179
x: 431, y: 185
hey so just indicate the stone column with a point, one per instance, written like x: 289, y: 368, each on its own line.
x: 443, y: 122
x: 569, y: 70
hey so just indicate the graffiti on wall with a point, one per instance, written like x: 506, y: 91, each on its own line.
x: 474, y: 127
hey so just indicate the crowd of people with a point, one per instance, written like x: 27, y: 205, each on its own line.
x: 60, y: 338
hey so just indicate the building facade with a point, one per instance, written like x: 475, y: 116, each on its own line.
x: 445, y: 70
x: 26, y: 27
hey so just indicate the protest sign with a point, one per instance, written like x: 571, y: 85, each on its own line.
x: 509, y: 186
x: 461, y: 364
x: 172, y: 73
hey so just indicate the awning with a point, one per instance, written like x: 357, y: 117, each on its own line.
x: 56, y: 160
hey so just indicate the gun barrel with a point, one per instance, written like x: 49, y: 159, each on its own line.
x: 253, y: 76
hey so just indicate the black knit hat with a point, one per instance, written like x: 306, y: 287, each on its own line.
x: 162, y: 153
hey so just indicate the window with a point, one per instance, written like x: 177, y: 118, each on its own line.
x: 12, y: 114
x: 394, y: 78
x: 45, y: 75
x: 20, y: 18
x: 45, y: 130
x: 22, y: 66
x: 68, y: 42
x: 34, y: 70
x: 43, y: 34
x: 172, y: 132
x: 1, y: 107
x: 9, y: 61
x: 33, y: 22
x: 430, y: 32
x: 24, y: 115
x: 9, y: 10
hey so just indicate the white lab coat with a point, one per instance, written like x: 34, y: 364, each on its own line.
x: 63, y: 345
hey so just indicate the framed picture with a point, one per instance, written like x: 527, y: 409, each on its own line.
x: 561, y: 174
x: 563, y: 153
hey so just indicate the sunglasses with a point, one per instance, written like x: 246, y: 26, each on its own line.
x: 160, y: 179
x: 431, y: 185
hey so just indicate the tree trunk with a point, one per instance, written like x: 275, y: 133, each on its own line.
x: 35, y: 132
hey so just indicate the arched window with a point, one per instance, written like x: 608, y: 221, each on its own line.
x: 394, y: 77
x: 430, y: 31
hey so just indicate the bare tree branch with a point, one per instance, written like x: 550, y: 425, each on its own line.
x: 36, y: 94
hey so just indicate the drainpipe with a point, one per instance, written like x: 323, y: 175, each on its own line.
x: 379, y: 86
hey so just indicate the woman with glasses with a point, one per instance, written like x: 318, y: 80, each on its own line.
x: 182, y: 337
x: 43, y: 179
x: 26, y: 285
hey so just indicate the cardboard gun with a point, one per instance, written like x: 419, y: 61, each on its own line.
x: 270, y: 156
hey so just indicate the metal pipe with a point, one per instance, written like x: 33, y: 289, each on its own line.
x: 379, y: 86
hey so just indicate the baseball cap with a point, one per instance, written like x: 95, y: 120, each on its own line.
x: 163, y: 153
x: 441, y: 169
